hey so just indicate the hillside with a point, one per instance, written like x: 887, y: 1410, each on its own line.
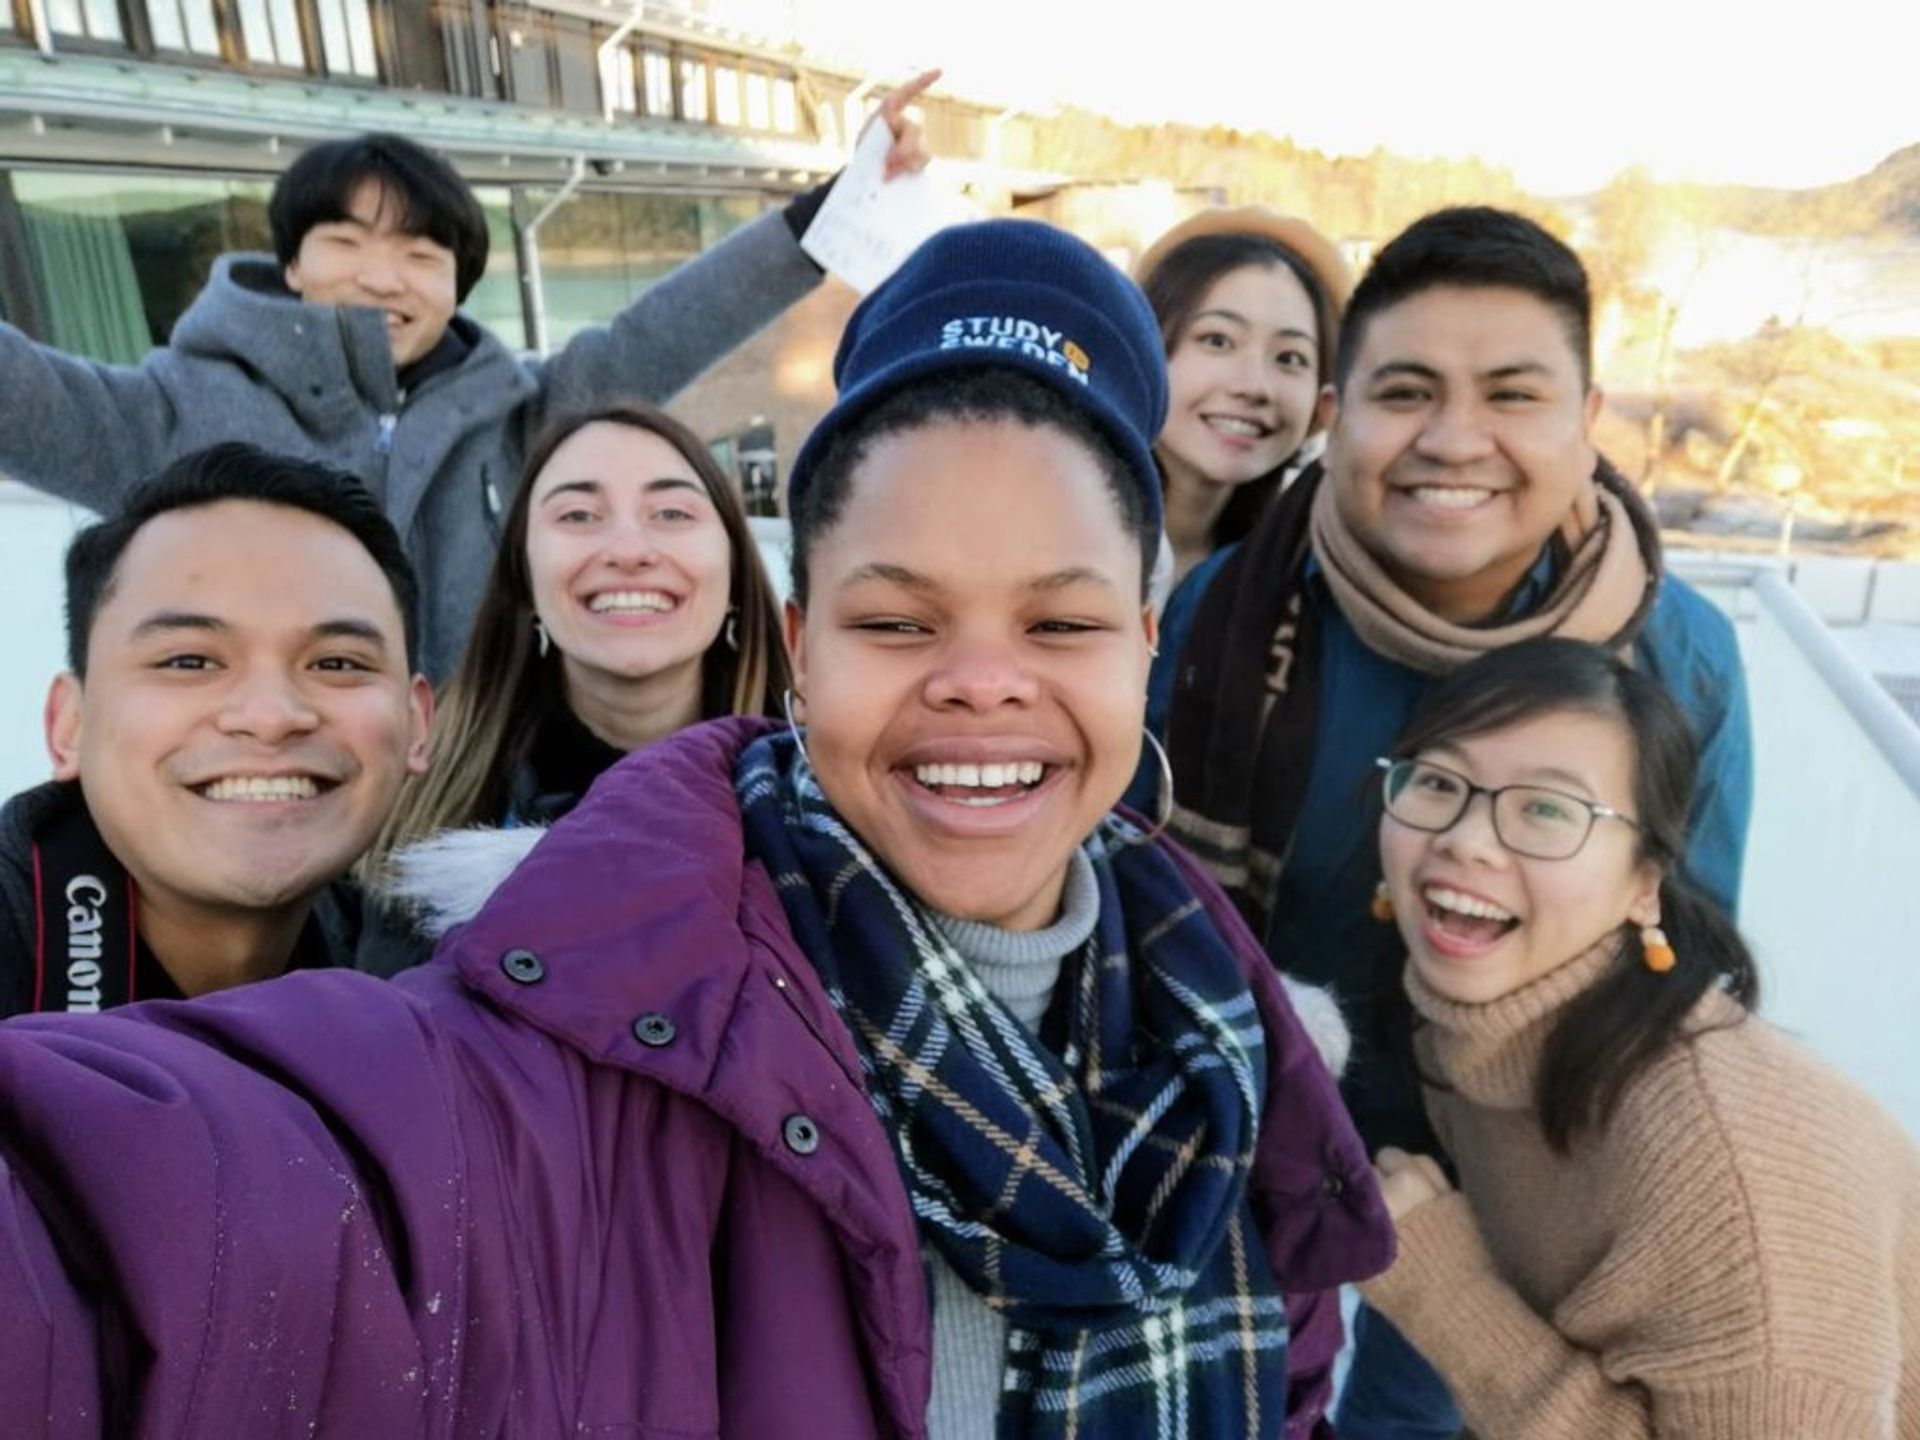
x: 1884, y: 201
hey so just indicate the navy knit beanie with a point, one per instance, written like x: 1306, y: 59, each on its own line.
x: 1019, y: 294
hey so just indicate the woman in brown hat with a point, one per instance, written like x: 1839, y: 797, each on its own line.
x: 1248, y: 302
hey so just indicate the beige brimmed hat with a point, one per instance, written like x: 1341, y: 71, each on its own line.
x: 1320, y: 254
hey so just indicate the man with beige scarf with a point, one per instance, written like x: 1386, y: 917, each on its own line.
x: 1461, y: 506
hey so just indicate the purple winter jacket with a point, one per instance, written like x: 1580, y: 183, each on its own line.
x: 603, y: 1168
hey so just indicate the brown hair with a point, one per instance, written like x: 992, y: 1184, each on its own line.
x: 504, y: 689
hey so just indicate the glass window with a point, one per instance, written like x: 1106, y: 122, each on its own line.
x: 656, y: 78
x: 726, y: 95
x: 759, y: 102
x: 617, y: 88
x: 346, y: 38
x: 602, y: 249
x: 693, y: 89
x: 271, y: 29
x: 366, y: 60
x: 169, y: 31
x: 117, y: 259
x: 786, y: 107
x: 89, y: 19
x: 184, y: 25
x: 103, y: 20
x: 495, y: 301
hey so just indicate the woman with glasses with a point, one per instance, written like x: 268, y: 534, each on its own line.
x: 1669, y: 1219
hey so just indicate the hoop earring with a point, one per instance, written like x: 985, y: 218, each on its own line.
x: 786, y: 704
x: 730, y: 634
x: 1165, y: 807
x: 541, y: 639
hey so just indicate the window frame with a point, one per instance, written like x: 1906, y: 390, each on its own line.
x: 378, y: 24
x: 137, y: 39
x: 89, y: 44
x: 224, y: 37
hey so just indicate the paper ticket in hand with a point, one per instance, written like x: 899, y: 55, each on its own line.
x: 868, y: 224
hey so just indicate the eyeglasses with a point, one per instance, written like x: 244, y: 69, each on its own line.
x: 1530, y: 820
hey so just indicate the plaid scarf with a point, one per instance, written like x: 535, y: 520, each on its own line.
x: 1245, y: 712
x: 1094, y: 1193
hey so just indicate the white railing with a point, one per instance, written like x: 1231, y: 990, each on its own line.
x: 1830, y: 898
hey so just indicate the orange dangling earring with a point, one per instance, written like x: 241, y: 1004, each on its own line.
x: 1658, y: 952
x: 1381, y: 906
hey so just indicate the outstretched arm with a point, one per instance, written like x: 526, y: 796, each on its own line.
x: 715, y: 302
x: 210, y: 1227
x: 75, y: 428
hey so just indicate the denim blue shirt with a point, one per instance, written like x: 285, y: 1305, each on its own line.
x: 1322, y: 930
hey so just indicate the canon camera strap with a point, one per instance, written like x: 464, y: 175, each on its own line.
x: 86, y: 950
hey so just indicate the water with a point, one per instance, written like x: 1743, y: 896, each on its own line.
x: 1858, y: 288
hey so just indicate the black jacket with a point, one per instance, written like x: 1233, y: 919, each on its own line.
x: 563, y: 762
x: 66, y: 909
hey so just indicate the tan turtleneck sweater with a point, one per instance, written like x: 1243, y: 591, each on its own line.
x: 1737, y: 1256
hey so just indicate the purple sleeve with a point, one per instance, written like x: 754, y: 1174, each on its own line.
x: 241, y: 1207
x: 50, y: 1365
x: 1315, y: 1335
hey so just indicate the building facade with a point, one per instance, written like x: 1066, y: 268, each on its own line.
x: 608, y: 141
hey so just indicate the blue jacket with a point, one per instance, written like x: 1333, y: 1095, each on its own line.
x: 1323, y: 931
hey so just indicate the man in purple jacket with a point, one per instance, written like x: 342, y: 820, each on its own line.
x: 737, y: 1109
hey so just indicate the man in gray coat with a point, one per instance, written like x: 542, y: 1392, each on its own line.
x: 347, y: 347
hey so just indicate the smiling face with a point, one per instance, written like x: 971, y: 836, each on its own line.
x: 630, y: 563
x: 364, y: 259
x: 1244, y: 379
x: 247, y: 716
x: 1461, y: 441
x: 973, y: 662
x: 1480, y: 921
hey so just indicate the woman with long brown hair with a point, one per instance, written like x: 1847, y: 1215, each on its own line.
x: 627, y: 601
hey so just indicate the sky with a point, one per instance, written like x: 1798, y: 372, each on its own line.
x: 1563, y: 96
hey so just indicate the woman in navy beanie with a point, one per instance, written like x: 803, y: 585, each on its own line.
x: 862, y: 1075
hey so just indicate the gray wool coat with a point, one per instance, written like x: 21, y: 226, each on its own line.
x: 249, y: 361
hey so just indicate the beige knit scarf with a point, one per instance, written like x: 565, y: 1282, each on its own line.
x: 1599, y: 593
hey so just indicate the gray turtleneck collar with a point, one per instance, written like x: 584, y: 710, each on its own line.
x: 1021, y: 967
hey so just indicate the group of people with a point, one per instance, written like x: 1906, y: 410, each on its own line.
x: 981, y: 996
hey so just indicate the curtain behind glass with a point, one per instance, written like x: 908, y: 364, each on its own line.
x: 85, y: 273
